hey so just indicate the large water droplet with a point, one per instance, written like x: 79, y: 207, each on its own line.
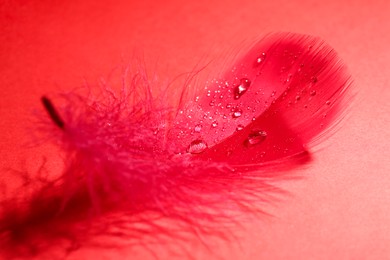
x: 237, y: 113
x: 255, y: 137
x: 197, y: 146
x: 240, y: 89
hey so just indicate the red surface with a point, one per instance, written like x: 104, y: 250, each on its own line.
x: 339, y: 211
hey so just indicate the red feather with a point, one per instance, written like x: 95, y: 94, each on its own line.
x: 132, y: 164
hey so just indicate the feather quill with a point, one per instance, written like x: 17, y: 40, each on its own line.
x: 131, y: 162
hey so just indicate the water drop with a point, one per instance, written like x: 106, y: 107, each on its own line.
x: 211, y: 103
x: 327, y: 102
x: 239, y: 127
x: 214, y: 124
x: 255, y: 137
x: 197, y: 146
x: 261, y: 58
x: 289, y: 77
x: 313, y: 93
x: 237, y: 113
x: 240, y: 89
x: 198, y: 128
x: 297, y: 98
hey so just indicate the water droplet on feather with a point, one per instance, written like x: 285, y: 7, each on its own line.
x: 239, y: 128
x: 197, y: 146
x: 237, y: 113
x: 255, y: 137
x: 260, y: 58
x: 240, y: 89
x: 198, y: 128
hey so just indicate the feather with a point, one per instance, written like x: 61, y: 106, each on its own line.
x: 135, y: 167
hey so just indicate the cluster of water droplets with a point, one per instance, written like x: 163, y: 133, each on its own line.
x: 305, y: 95
x: 230, y: 112
x: 227, y: 111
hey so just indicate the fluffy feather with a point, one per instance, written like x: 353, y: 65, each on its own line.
x: 131, y: 162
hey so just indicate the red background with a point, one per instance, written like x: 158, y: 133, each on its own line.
x: 339, y: 211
